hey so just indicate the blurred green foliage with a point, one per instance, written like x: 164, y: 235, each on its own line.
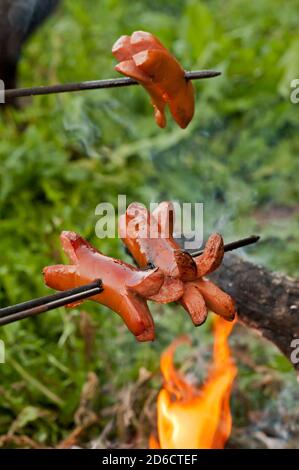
x: 62, y: 155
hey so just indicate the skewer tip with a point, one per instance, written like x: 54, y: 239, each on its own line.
x: 201, y: 74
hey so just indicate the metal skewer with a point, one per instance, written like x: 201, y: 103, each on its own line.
x: 95, y: 85
x: 233, y: 245
x: 50, y: 302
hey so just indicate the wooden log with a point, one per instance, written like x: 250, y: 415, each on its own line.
x: 266, y: 301
x: 18, y: 20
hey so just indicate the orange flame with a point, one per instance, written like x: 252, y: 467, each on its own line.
x: 191, y: 417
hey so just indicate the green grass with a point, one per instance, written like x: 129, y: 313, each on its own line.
x: 62, y: 155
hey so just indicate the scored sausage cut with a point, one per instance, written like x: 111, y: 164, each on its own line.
x: 143, y: 57
x: 198, y: 294
x: 125, y: 287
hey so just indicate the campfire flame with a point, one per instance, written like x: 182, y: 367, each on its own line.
x: 191, y: 417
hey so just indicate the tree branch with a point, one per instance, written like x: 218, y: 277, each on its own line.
x: 266, y: 301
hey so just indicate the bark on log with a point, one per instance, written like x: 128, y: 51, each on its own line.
x: 266, y: 301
